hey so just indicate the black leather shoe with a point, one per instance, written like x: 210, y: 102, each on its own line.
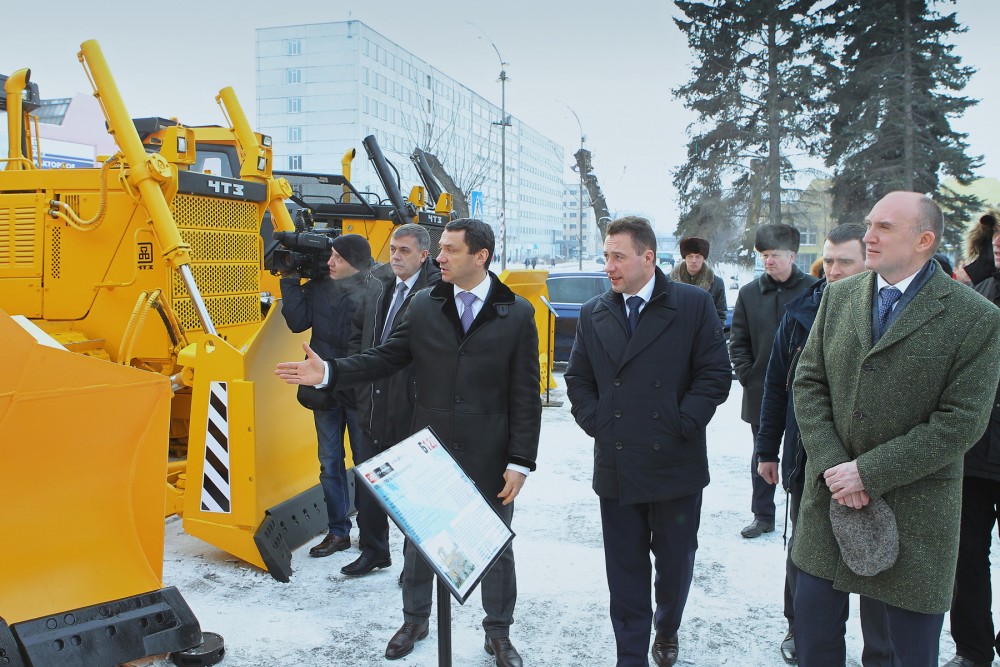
x: 402, y: 642
x: 505, y: 653
x: 330, y: 544
x: 959, y: 661
x: 757, y: 528
x: 365, y: 564
x: 788, y: 649
x: 664, y: 650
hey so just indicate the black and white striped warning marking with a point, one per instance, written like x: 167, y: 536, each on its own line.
x: 215, y: 492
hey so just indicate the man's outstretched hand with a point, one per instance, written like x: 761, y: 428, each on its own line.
x: 309, y: 372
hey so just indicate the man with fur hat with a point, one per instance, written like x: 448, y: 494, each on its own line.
x: 759, y: 308
x: 971, y: 613
x: 326, y: 306
x: 695, y: 270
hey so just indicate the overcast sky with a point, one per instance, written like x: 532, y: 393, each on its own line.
x: 614, y: 63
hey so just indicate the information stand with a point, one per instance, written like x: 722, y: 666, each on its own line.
x: 443, y: 515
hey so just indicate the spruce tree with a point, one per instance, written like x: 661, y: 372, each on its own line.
x: 754, y: 89
x: 894, y: 92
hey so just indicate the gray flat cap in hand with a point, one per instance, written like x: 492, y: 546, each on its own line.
x: 868, y: 537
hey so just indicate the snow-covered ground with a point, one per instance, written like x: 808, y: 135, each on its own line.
x: 322, y: 618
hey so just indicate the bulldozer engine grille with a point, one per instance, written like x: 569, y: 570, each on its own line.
x: 224, y: 236
x: 17, y: 237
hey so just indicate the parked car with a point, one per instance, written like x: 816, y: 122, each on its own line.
x: 567, y: 292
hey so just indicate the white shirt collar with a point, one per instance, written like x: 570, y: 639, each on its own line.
x: 410, y: 282
x: 901, y: 285
x: 482, y: 290
x: 646, y: 293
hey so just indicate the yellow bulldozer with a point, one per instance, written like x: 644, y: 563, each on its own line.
x: 139, y: 338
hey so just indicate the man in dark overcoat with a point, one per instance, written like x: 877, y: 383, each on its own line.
x: 759, y: 308
x: 647, y: 371
x: 888, y: 397
x: 385, y: 407
x: 473, y: 346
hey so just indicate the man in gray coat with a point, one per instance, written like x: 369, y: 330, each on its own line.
x: 474, y: 349
x: 759, y: 308
x: 889, y: 396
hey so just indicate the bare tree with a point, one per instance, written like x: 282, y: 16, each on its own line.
x: 601, y: 213
x: 460, y: 160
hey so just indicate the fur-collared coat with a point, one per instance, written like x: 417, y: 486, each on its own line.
x: 708, y: 281
x: 906, y: 409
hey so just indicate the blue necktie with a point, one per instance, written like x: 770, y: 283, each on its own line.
x: 468, y: 298
x: 634, y: 303
x: 397, y: 301
x: 887, y: 298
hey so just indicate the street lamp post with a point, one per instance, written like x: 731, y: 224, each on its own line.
x: 579, y: 220
x: 504, y: 123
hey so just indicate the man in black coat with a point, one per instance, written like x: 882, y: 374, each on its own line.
x: 971, y: 608
x: 385, y: 407
x: 473, y: 346
x: 647, y: 371
x: 327, y: 306
x: 759, y: 308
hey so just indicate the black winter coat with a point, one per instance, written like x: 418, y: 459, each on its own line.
x: 777, y: 413
x: 479, y: 391
x: 759, y: 308
x: 385, y: 407
x: 983, y: 460
x: 327, y: 307
x: 646, y: 400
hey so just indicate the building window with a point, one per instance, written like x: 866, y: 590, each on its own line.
x: 808, y: 237
x: 367, y: 45
x: 364, y: 75
x: 293, y: 75
x: 294, y: 134
x: 294, y: 162
x: 293, y: 47
x: 364, y: 104
x: 375, y: 108
x: 294, y: 104
x: 428, y: 80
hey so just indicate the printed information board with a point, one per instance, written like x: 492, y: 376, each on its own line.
x: 437, y: 506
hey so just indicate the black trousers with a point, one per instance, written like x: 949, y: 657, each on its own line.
x: 373, y: 524
x: 668, y: 529
x: 762, y: 501
x: 821, y: 621
x: 971, y: 607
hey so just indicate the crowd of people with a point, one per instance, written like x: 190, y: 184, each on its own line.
x: 869, y: 391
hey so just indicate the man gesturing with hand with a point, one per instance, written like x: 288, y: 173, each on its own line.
x: 473, y: 346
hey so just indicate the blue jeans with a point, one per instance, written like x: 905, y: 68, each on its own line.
x: 330, y: 426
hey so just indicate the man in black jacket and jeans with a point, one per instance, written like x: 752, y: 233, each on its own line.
x: 971, y: 608
x: 759, y: 308
x: 385, y: 407
x: 326, y: 305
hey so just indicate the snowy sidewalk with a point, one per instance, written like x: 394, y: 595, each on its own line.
x: 323, y: 618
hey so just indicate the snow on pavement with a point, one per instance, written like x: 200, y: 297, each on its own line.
x: 323, y: 618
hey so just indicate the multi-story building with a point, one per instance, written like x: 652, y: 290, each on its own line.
x: 572, y: 219
x: 322, y: 88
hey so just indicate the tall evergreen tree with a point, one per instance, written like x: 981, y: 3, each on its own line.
x: 894, y: 93
x: 754, y: 90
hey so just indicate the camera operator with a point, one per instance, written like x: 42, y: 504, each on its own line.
x: 327, y: 306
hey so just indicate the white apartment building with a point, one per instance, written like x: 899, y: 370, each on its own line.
x: 570, y: 246
x: 322, y: 88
